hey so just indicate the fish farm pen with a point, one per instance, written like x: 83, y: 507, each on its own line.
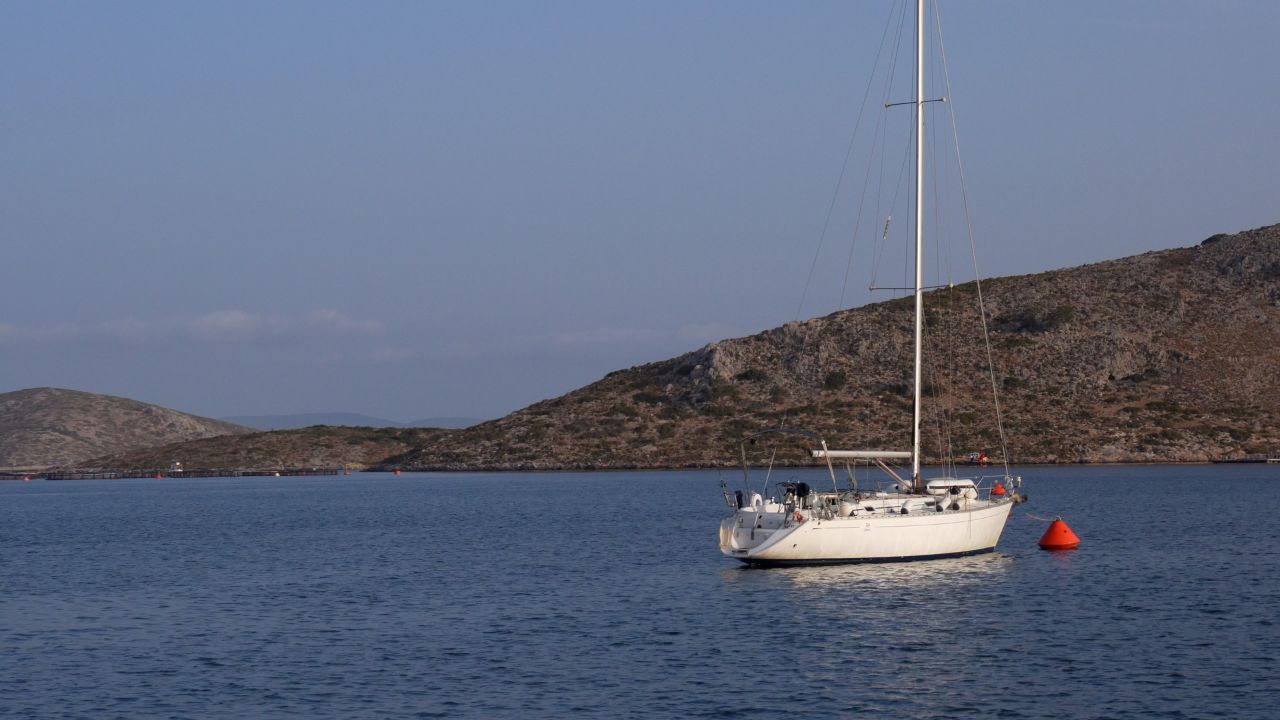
x: 161, y: 473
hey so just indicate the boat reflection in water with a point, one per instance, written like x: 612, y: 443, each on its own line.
x: 883, y: 616
x: 870, y: 580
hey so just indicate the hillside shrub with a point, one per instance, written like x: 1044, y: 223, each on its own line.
x: 649, y: 397
x: 1033, y: 320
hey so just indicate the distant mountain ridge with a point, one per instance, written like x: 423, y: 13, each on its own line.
x: 1166, y: 356
x: 42, y: 427
x: 342, y: 419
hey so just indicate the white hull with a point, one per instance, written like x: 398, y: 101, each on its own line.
x: 866, y: 538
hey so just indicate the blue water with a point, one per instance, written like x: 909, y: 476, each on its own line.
x: 603, y: 595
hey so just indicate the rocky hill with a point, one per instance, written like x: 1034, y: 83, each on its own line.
x: 41, y: 427
x: 1167, y: 356
x: 319, y: 446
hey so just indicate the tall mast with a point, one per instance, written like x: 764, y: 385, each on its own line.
x: 915, y: 412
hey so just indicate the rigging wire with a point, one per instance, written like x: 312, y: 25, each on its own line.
x: 949, y: 408
x: 942, y: 257
x: 902, y: 177
x: 882, y: 141
x: 939, y: 335
x: 844, y: 166
x: 973, y: 251
x: 866, y: 176
x: 943, y: 238
x: 835, y: 193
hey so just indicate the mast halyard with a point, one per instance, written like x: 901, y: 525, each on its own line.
x: 915, y: 412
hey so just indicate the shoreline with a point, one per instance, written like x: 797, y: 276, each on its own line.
x: 137, y: 473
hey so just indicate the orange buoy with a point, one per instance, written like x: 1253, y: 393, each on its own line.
x: 397, y: 471
x: 1059, y: 537
x: 157, y: 476
x: 997, y: 489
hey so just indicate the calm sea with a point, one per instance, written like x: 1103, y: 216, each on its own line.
x: 603, y: 595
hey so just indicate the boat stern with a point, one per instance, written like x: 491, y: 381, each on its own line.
x: 746, y: 532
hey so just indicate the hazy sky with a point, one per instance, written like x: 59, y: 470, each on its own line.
x: 414, y: 209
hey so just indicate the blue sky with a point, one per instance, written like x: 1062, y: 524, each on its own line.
x: 417, y: 209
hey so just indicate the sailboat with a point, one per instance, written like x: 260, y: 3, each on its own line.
x: 913, y: 519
